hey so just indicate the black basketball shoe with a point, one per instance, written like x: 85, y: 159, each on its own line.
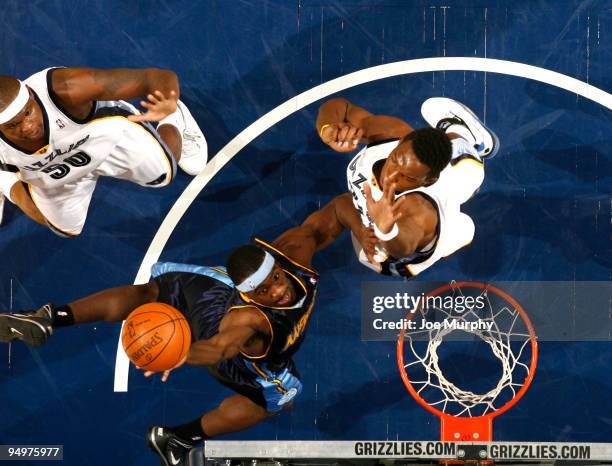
x: 33, y: 328
x: 171, y: 449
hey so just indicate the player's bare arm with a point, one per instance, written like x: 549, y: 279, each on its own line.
x: 77, y: 88
x: 237, y: 332
x: 342, y: 125
x: 318, y: 231
x: 322, y: 227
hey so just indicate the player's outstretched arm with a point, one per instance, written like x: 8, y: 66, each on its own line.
x: 236, y: 329
x: 78, y: 87
x: 342, y: 125
x: 322, y: 227
x: 319, y: 230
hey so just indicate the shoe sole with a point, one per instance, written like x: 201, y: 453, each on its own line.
x: 437, y: 108
x: 23, y: 328
x: 153, y: 446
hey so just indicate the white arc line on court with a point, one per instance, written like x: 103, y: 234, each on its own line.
x: 319, y: 92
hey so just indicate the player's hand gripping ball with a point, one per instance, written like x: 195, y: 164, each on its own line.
x: 156, y: 337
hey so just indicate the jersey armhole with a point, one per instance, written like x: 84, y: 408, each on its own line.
x: 58, y: 103
x: 249, y: 356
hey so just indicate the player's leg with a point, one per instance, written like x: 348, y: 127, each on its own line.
x: 20, y: 196
x: 234, y: 414
x: 113, y: 304
x: 64, y: 209
x: 472, y: 143
x: 454, y: 117
x: 15, y: 191
x: 261, y: 394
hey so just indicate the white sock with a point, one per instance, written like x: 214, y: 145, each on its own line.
x: 7, y: 180
x: 461, y: 131
x: 461, y: 147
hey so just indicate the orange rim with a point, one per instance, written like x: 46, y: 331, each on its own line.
x: 532, y: 367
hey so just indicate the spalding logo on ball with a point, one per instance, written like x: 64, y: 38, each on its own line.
x: 156, y: 337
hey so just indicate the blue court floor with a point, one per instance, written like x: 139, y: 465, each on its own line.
x: 543, y: 212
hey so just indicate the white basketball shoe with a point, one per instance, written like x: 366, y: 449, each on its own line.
x: 454, y: 117
x: 194, y: 154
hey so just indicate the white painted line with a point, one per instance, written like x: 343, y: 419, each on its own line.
x: 322, y: 91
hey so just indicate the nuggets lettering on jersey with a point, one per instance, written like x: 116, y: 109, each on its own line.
x: 454, y: 230
x: 288, y: 323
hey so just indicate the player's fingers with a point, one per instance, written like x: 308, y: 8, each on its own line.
x: 342, y: 136
x: 180, y: 363
x: 389, y: 192
x: 357, y: 137
x: 350, y: 134
x: 136, y: 118
x: 371, y: 247
x: 340, y: 147
x: 330, y: 134
x: 152, y: 98
x: 148, y: 373
x: 336, y: 146
x: 351, y: 138
x: 165, y: 376
x: 367, y: 191
x: 160, y: 95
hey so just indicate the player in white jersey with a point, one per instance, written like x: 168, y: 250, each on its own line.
x: 63, y: 128
x: 406, y: 187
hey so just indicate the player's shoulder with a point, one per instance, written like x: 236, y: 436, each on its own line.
x: 39, y: 78
x: 247, y: 315
x: 417, y: 203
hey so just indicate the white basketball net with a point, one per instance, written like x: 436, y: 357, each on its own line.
x: 507, y: 337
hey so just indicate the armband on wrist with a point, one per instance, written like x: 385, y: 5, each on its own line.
x: 386, y: 236
x: 322, y: 128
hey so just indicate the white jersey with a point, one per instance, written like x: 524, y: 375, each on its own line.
x: 454, y: 230
x: 74, y: 147
x: 62, y: 175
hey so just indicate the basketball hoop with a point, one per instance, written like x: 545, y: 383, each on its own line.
x: 494, y: 317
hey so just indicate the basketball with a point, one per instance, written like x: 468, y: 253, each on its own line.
x: 156, y: 337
